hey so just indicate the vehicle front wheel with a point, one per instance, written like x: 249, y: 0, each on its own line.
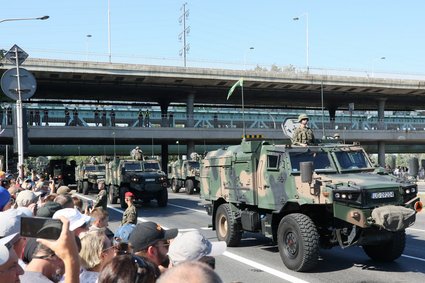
x: 189, y: 187
x: 228, y: 229
x: 387, y: 251
x: 162, y: 198
x: 298, y: 242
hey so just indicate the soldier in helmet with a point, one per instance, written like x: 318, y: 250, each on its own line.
x: 303, y: 135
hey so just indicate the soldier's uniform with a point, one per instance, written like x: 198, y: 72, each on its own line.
x: 303, y: 135
x: 101, y: 200
x: 129, y: 216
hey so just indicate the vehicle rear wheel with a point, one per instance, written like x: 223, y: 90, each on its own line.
x: 227, y: 227
x: 113, y: 199
x: 189, y: 187
x: 86, y: 187
x: 174, y: 187
x: 298, y: 242
x: 387, y: 251
x: 123, y: 190
x: 162, y: 198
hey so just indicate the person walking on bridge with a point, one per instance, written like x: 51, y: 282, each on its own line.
x: 303, y: 135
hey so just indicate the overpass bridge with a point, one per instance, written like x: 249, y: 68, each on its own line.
x: 92, y: 84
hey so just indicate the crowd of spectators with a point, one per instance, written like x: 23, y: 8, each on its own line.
x: 86, y: 250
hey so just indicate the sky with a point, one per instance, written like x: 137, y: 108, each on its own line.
x: 378, y: 36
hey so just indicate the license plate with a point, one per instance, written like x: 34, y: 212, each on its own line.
x: 150, y: 180
x: 382, y: 195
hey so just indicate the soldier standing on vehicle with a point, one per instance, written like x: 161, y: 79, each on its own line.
x: 101, y: 199
x: 303, y: 135
x: 130, y: 214
x: 137, y: 153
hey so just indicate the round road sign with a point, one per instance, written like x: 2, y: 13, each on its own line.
x: 9, y: 84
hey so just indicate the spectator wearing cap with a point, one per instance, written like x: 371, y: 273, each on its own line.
x: 10, y: 270
x: 96, y: 251
x: 193, y: 246
x: 63, y: 190
x: 26, y: 198
x: 10, y: 223
x: 78, y: 222
x: 101, y: 199
x: 4, y: 199
x: 130, y: 214
x: 150, y: 240
x: 48, y: 209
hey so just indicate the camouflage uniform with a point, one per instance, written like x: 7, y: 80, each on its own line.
x: 129, y: 216
x: 101, y: 200
x: 303, y: 136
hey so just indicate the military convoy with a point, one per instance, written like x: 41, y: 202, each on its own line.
x: 306, y: 198
x: 143, y: 178
x: 87, y: 176
x: 184, y: 173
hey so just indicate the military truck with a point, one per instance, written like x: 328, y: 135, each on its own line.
x: 87, y: 176
x: 306, y: 198
x: 143, y: 178
x: 184, y: 173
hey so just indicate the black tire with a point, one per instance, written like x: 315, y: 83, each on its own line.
x: 298, y: 242
x: 189, y: 187
x: 85, y: 187
x: 113, y: 199
x: 228, y: 229
x: 174, y: 187
x: 162, y: 198
x: 123, y: 190
x: 387, y: 251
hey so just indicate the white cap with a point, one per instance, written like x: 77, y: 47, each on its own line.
x: 5, y: 245
x: 10, y: 222
x: 76, y: 219
x: 193, y: 246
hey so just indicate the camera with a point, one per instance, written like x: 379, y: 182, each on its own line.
x: 41, y: 227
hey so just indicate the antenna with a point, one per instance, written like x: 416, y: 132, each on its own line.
x: 182, y: 20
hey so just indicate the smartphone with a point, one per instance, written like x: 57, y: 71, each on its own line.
x: 41, y: 227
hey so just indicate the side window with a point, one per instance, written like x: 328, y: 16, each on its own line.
x: 273, y: 162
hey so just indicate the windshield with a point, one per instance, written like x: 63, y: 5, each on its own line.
x: 352, y: 160
x: 193, y: 164
x: 132, y: 166
x: 151, y: 166
x: 95, y: 168
x: 320, y: 160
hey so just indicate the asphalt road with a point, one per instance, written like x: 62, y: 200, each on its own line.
x: 257, y: 259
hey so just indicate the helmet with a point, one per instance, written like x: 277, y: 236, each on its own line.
x: 302, y: 117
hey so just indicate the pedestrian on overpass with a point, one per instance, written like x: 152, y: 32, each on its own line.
x: 46, y: 116
x: 112, y: 116
x: 96, y: 117
x: 67, y: 117
x: 140, y: 118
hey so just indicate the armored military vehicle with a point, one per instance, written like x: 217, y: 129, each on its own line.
x: 184, y: 173
x: 87, y: 176
x: 308, y: 197
x: 143, y: 178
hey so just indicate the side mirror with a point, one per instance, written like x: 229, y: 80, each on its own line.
x: 306, y: 169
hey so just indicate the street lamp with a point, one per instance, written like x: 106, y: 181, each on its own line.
x: 19, y: 115
x: 109, y: 32
x: 373, y: 64
x: 87, y: 45
x: 178, y: 150
x: 306, y: 35
x: 24, y: 19
x: 245, y: 56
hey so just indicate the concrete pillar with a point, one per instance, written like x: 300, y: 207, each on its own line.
x: 164, y: 111
x: 381, y: 109
x: 190, y: 148
x: 381, y: 153
x: 190, y: 110
x: 164, y: 157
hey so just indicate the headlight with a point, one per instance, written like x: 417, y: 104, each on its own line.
x: 348, y: 195
x: 135, y: 179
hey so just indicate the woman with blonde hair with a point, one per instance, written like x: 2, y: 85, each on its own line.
x: 96, y: 251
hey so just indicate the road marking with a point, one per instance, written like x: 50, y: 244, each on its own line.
x: 413, y: 257
x: 414, y: 229
x: 267, y: 269
x: 196, y: 210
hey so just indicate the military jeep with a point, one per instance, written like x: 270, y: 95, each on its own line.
x: 143, y: 178
x: 87, y: 176
x: 184, y: 173
x: 306, y: 198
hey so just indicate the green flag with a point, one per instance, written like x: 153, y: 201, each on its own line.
x: 238, y: 83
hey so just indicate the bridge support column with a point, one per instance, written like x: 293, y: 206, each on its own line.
x: 381, y: 112
x: 381, y: 153
x: 190, y: 148
x: 164, y: 111
x: 332, y: 111
x: 164, y: 157
x: 190, y: 110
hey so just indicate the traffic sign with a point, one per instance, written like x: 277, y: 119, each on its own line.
x: 11, y: 55
x: 9, y: 83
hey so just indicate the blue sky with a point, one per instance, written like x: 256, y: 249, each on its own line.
x: 352, y: 35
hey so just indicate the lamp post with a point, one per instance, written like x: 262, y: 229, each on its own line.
x: 109, y: 32
x: 178, y: 150
x: 306, y: 36
x: 373, y: 64
x: 87, y: 45
x: 242, y: 96
x: 19, y: 114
